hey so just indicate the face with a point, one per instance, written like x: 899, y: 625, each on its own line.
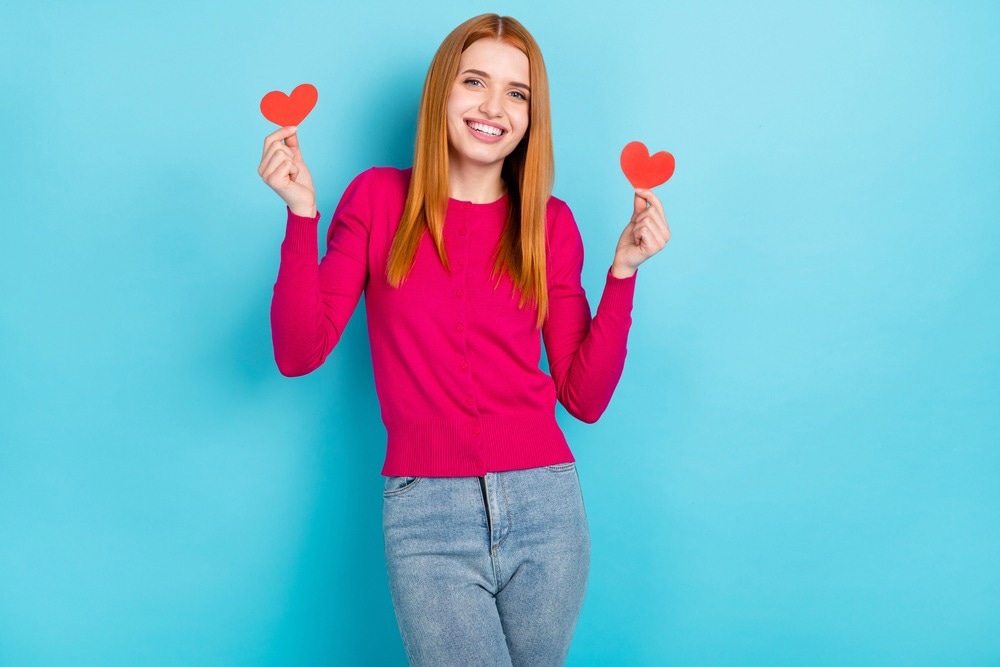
x: 488, y: 108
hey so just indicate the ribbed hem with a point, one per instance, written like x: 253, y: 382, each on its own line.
x: 471, y: 448
x: 300, y: 234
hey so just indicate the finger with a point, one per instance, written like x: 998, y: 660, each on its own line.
x: 279, y: 150
x: 665, y: 231
x: 657, y: 220
x: 640, y: 230
x: 279, y: 161
x: 276, y: 175
x: 282, y: 177
x: 652, y: 235
x: 280, y: 166
x: 278, y: 136
x: 292, y: 140
x: 639, y: 203
x: 643, y: 241
x: 652, y: 199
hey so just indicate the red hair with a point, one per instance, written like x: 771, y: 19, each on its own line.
x: 528, y: 172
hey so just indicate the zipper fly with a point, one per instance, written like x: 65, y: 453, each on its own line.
x: 486, y: 504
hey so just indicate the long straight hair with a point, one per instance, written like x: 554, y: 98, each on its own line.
x: 528, y: 172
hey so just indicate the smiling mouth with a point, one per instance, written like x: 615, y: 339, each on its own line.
x: 487, y: 130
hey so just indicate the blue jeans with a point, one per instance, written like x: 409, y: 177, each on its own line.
x: 487, y: 570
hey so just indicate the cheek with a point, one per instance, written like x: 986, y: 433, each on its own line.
x: 524, y: 120
x: 453, y: 118
x: 451, y: 111
x: 457, y: 104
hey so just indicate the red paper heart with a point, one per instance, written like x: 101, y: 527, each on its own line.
x: 289, y: 109
x: 643, y: 170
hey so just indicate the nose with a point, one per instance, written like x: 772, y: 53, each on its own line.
x: 492, y: 104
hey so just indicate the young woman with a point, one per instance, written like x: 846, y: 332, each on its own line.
x: 467, y: 262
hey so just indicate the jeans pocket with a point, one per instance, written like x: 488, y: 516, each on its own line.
x: 397, y: 486
x: 561, y: 467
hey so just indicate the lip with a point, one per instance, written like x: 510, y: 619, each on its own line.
x: 485, y: 138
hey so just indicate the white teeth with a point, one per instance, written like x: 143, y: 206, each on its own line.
x: 485, y: 129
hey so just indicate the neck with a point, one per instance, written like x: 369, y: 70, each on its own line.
x: 474, y: 183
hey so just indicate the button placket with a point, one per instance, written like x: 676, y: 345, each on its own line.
x: 463, y: 306
x: 461, y: 294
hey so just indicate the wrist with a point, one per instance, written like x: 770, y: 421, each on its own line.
x: 621, y: 271
x: 307, y: 211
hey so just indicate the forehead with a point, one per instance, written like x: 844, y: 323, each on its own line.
x: 498, y: 59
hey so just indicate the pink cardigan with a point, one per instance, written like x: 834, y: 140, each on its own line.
x: 455, y: 360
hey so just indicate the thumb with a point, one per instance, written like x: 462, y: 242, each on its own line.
x: 640, y: 202
x: 292, y: 140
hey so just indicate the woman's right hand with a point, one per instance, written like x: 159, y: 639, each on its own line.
x: 282, y: 168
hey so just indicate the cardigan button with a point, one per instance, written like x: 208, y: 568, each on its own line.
x: 462, y: 231
x: 469, y: 400
x: 459, y: 327
x: 460, y: 293
x: 476, y: 430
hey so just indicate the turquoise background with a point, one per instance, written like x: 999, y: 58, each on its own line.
x: 800, y: 465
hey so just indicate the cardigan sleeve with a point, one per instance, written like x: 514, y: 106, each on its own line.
x: 586, y: 355
x: 313, y: 300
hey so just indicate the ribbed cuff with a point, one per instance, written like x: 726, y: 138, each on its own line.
x: 300, y: 233
x: 619, y: 294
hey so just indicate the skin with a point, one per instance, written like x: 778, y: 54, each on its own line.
x: 491, y: 87
x: 645, y: 235
x: 284, y: 171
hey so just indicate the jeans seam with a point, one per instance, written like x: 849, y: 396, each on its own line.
x: 403, y: 490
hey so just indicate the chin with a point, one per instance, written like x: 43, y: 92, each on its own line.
x: 482, y: 158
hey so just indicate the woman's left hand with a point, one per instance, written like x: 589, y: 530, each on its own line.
x: 644, y: 236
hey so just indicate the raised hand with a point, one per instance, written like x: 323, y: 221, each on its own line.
x: 284, y: 171
x: 645, y: 235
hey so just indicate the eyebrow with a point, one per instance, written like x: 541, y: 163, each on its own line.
x: 483, y: 74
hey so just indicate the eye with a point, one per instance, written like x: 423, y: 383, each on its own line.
x: 519, y: 95
x: 473, y: 82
